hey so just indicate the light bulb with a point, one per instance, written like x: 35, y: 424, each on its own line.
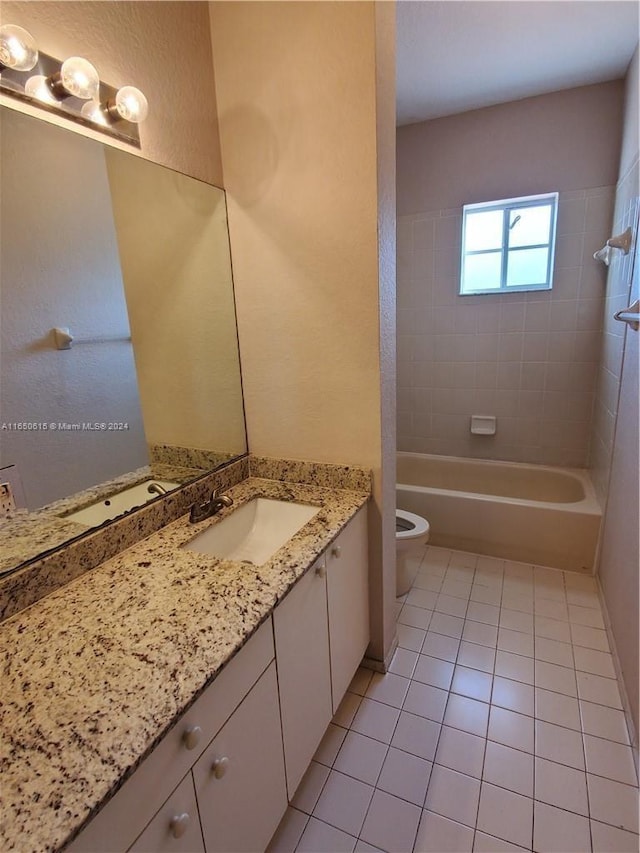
x: 38, y: 88
x: 131, y: 104
x: 17, y: 48
x: 93, y: 111
x: 79, y: 78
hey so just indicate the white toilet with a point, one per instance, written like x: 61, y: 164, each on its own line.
x: 412, y: 534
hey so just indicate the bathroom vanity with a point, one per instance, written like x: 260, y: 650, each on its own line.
x: 141, y: 707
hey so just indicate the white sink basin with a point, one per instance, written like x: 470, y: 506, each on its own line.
x: 115, y: 505
x: 254, y: 532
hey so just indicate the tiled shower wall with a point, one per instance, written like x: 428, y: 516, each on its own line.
x: 530, y: 359
x: 616, y: 298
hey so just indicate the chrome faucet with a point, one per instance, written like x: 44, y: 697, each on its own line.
x: 205, y: 510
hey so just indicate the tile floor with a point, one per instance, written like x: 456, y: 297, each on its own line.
x: 498, y: 727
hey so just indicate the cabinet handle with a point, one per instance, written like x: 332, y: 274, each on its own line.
x: 191, y: 737
x: 321, y: 571
x: 219, y: 767
x: 179, y: 825
x: 336, y: 551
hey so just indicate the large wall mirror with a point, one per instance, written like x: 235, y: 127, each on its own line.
x: 133, y: 259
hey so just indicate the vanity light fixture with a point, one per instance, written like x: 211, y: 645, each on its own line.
x: 76, y: 77
x: 17, y: 48
x: 71, y: 88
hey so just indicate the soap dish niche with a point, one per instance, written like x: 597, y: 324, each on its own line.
x: 483, y: 424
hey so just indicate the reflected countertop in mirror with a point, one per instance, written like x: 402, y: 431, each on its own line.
x: 133, y: 258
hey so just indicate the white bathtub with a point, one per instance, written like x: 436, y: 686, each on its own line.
x: 530, y: 513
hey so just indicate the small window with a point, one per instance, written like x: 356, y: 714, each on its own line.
x: 508, y: 245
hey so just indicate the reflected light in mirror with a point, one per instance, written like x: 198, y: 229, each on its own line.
x: 37, y: 87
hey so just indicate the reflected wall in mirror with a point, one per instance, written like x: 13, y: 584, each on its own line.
x: 134, y: 259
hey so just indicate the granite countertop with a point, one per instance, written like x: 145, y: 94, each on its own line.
x: 95, y: 673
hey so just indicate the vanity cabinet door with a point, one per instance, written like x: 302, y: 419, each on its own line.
x: 239, y: 778
x: 304, y: 680
x: 348, y: 603
x: 176, y: 827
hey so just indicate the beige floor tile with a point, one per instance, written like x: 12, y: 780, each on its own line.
x: 511, y: 729
x: 607, y: 723
x: 410, y: 638
x: 557, y: 708
x: 453, y: 795
x: 433, y: 671
x: 508, y: 768
x: 344, y: 803
x: 440, y: 646
x: 561, y: 786
x: 609, y: 839
x: 391, y: 823
x: 405, y: 776
x: 403, y: 662
x: 466, y: 714
x: 320, y: 837
x: 361, y: 757
x: 416, y: 735
x: 506, y: 815
x: 438, y: 834
x: 558, y: 831
x: 611, y: 760
x: 559, y: 744
x: 375, y: 720
x: 613, y: 803
x: 516, y: 642
x: 388, y: 688
x: 461, y: 751
x: 513, y: 695
x: 472, y: 683
x: 479, y: 633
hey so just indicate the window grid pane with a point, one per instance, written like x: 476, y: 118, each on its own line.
x: 526, y: 256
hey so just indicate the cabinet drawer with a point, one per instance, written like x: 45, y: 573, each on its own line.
x: 176, y: 827
x: 239, y: 780
x: 122, y: 819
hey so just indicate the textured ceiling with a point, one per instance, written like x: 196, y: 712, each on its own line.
x: 458, y: 55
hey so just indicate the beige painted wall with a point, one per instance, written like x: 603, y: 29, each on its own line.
x: 298, y: 136
x: 162, y: 48
x: 530, y: 359
x: 174, y: 251
x: 59, y: 266
x: 631, y: 127
x: 566, y: 140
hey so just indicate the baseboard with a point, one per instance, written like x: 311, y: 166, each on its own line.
x: 381, y: 665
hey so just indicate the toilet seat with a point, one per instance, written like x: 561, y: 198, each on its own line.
x: 410, y: 526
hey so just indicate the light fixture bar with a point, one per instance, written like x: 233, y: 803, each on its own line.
x: 39, y: 94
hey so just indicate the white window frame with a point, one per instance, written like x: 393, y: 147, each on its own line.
x: 507, y: 205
